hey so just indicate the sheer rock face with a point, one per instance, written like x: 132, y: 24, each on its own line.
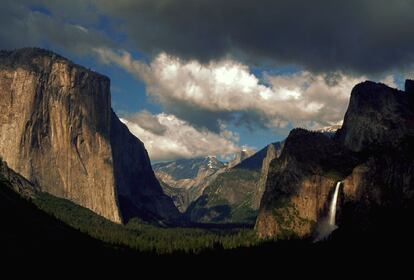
x: 377, y: 115
x: 139, y: 192
x: 298, y: 214
x: 300, y: 183
x: 273, y: 151
x: 409, y: 87
x: 57, y: 129
x: 372, y: 155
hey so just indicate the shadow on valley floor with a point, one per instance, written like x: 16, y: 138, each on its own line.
x: 220, y: 226
x: 28, y: 233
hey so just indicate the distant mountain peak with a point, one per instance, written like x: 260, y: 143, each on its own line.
x: 211, y: 162
x: 240, y: 156
x: 255, y: 161
x: 187, y: 168
x: 185, y: 179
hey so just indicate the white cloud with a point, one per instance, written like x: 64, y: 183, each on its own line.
x: 178, y: 139
x: 229, y: 88
x: 148, y: 122
x: 390, y: 81
x: 81, y: 28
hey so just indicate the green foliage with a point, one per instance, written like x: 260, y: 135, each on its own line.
x: 240, y: 174
x: 144, y: 237
x: 27, y: 230
x: 228, y: 199
x: 287, y: 217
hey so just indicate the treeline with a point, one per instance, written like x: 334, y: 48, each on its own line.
x: 142, y: 236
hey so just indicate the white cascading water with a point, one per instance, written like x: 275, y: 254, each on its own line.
x: 327, y: 226
x: 332, y: 207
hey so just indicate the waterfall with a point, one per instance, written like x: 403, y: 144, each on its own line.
x: 332, y: 207
x: 327, y: 225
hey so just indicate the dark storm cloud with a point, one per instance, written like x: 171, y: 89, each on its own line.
x: 333, y: 43
x: 364, y: 36
x: 43, y: 23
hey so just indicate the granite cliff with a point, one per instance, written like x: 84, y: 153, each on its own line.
x: 372, y: 154
x: 57, y: 129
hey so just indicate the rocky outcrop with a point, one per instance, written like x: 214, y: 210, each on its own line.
x: 57, y: 129
x: 255, y: 161
x: 17, y: 182
x: 377, y: 116
x: 272, y: 151
x: 372, y: 154
x: 299, y: 184
x: 240, y: 156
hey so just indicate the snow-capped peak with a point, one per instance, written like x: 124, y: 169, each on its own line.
x: 210, y: 161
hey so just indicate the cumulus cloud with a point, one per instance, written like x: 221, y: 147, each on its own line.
x: 148, y: 122
x: 178, y: 138
x: 226, y: 90
x: 358, y: 36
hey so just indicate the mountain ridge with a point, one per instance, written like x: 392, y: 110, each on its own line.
x: 185, y: 179
x: 234, y: 195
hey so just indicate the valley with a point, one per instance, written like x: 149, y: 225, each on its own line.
x: 74, y: 176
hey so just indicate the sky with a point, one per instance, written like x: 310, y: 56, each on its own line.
x: 194, y: 78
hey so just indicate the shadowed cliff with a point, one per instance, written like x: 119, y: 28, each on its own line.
x: 372, y: 154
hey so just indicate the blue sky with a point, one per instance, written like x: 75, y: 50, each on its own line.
x: 198, y: 78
